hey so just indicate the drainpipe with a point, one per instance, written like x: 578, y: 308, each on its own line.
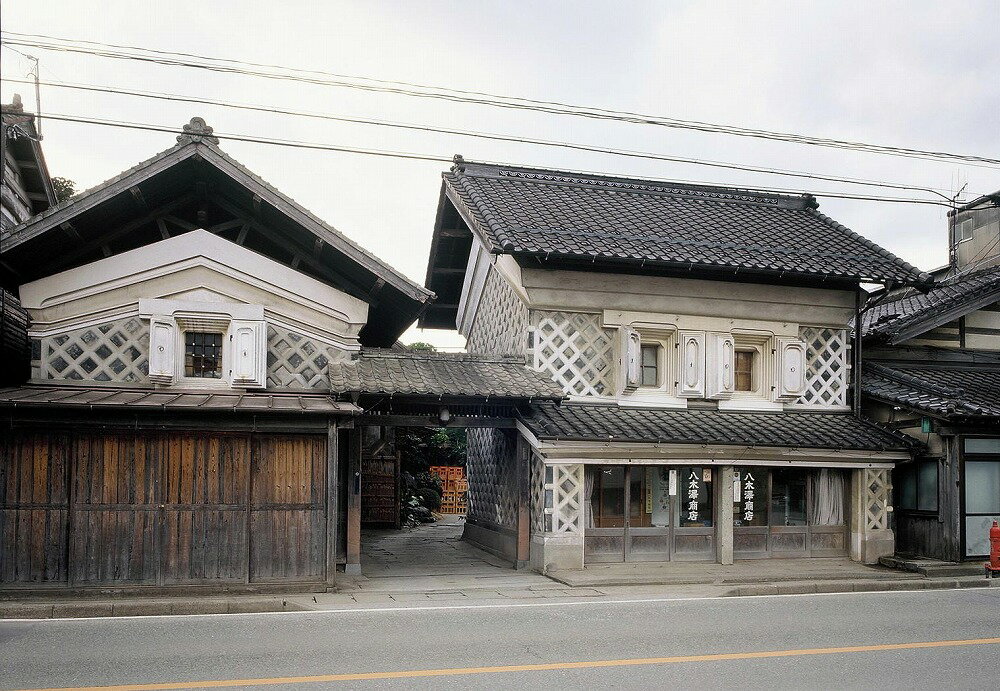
x: 856, y: 352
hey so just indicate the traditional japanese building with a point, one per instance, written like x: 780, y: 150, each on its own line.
x: 932, y: 370
x: 700, y: 335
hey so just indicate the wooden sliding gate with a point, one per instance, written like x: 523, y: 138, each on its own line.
x: 141, y: 508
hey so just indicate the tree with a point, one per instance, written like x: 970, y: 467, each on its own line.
x: 64, y: 188
x: 421, y: 346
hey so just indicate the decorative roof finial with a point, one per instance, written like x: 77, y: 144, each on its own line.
x: 197, y: 131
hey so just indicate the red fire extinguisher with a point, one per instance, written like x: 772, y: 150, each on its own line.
x: 993, y: 565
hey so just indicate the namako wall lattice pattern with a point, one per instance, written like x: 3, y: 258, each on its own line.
x: 116, y: 351
x: 492, y: 471
x: 828, y: 367
x: 576, y: 351
x: 295, y: 361
x: 501, y: 324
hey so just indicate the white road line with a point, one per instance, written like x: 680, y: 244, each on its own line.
x: 504, y: 605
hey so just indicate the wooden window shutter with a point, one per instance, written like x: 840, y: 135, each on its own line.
x: 162, y: 336
x: 630, y: 345
x: 791, y: 368
x: 691, y: 364
x: 720, y: 365
x: 249, y: 353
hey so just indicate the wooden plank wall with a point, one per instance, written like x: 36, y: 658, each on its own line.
x: 146, y: 508
x: 34, y: 504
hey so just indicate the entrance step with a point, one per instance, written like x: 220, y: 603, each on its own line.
x: 932, y: 568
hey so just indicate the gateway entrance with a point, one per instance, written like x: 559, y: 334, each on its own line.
x: 651, y: 513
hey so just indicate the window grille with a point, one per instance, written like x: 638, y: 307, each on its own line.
x: 827, y: 367
x: 202, y: 355
x: 576, y: 351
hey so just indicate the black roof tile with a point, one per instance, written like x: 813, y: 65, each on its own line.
x: 972, y: 391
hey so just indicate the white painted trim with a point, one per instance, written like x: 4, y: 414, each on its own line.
x: 197, y: 248
x: 476, y: 272
x: 528, y: 435
x: 612, y: 460
x: 181, y: 309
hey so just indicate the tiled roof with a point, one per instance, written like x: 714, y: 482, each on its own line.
x: 564, y: 215
x: 913, y: 312
x: 968, y: 392
x: 420, y: 373
x: 587, y: 422
x: 146, y: 399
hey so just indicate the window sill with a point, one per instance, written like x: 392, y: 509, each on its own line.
x: 751, y: 405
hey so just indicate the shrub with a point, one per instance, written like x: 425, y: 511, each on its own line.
x: 429, y: 497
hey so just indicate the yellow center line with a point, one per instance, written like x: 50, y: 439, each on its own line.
x: 590, y: 664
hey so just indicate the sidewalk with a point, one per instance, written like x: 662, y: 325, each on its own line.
x: 430, y: 566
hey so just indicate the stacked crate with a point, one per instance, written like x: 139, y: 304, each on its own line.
x: 454, y: 488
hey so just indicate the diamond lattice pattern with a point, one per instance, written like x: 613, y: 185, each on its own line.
x: 115, y: 351
x: 563, y: 513
x: 576, y: 351
x: 295, y: 361
x: 878, y: 493
x: 501, y: 324
x: 827, y: 367
x: 491, y: 467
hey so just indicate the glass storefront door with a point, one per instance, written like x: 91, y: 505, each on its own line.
x: 789, y: 512
x: 648, y: 513
x: 981, y: 498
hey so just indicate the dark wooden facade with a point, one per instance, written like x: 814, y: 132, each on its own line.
x: 149, y: 508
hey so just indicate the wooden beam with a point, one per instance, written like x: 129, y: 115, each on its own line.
x: 353, y: 479
x: 318, y: 247
x: 256, y: 204
x: 70, y: 230
x: 458, y: 421
x: 332, y: 485
x: 523, y: 460
x: 106, y: 250
x: 295, y: 261
x: 242, y: 237
x: 180, y: 222
x: 37, y: 197
x: 140, y: 200
x: 162, y: 225
x: 226, y: 225
x: 454, y: 233
x: 89, y: 247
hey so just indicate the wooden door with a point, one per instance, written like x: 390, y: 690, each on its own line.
x: 115, y: 509
x: 288, y: 508
x: 203, y: 501
x: 379, y: 490
x: 34, y: 507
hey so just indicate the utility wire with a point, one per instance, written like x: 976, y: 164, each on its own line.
x: 480, y: 98
x: 491, y: 136
x: 443, y: 158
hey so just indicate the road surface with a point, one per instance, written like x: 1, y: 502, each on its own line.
x: 904, y: 640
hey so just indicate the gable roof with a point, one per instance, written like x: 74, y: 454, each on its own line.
x: 22, y: 143
x: 606, y: 423
x: 912, y: 312
x: 421, y: 373
x: 610, y: 223
x: 972, y: 391
x: 195, y: 177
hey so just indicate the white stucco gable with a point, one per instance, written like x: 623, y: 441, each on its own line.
x: 195, y: 267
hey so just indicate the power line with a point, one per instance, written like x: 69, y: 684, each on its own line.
x: 493, y: 136
x: 448, y: 159
x: 191, y: 60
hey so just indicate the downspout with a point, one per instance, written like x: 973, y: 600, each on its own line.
x: 856, y: 352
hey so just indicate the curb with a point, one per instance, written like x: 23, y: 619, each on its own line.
x: 859, y: 587
x: 138, y: 608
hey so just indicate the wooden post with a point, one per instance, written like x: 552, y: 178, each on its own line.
x: 332, y: 468
x: 523, y: 456
x: 353, y: 480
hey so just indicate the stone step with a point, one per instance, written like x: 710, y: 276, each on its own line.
x: 933, y: 568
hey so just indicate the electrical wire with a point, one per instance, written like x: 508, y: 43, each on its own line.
x: 443, y: 158
x: 490, y: 136
x: 191, y: 60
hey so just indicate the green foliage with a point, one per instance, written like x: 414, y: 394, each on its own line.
x: 422, y: 448
x: 64, y: 188
x: 421, y: 346
x: 430, y: 498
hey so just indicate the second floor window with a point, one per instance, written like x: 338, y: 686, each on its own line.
x: 649, y: 364
x: 743, y: 378
x: 202, y: 355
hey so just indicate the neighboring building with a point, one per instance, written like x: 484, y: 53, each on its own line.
x: 932, y: 370
x: 974, y: 234
x: 26, y: 189
x: 177, y: 427
x: 701, y: 336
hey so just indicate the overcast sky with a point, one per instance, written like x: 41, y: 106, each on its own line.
x: 915, y: 74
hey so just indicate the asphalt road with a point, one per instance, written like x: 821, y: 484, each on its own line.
x: 766, y: 642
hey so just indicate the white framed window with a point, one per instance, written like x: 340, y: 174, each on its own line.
x: 965, y: 229
x: 745, y: 364
x: 754, y: 370
x: 650, y: 364
x: 206, y: 345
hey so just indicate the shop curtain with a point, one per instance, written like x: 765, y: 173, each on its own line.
x: 588, y: 491
x: 828, y: 497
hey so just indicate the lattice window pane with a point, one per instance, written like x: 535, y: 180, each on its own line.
x: 827, y: 367
x: 576, y: 351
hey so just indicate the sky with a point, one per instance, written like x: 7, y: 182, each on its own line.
x: 913, y: 74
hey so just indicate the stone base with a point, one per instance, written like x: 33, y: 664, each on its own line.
x: 556, y: 553
x: 870, y: 546
x: 494, y: 539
